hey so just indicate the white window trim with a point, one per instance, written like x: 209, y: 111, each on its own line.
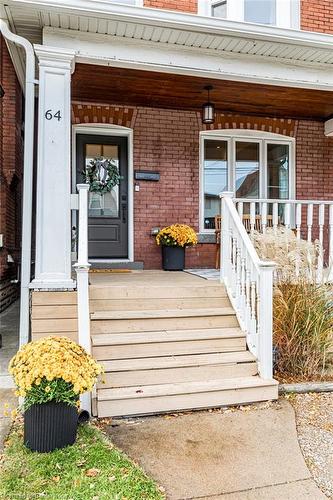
x: 231, y: 136
x: 136, y: 3
x: 287, y: 12
x: 109, y: 129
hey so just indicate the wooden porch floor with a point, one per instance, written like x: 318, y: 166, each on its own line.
x: 145, y: 278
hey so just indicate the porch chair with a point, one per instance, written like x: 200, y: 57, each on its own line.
x: 247, y: 225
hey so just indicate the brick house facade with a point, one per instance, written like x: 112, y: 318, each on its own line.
x: 11, y: 160
x: 174, y: 154
x: 163, y: 136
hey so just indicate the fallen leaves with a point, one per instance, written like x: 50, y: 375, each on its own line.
x: 92, y: 472
x: 56, y: 479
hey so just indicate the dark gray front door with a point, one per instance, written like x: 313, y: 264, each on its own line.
x: 108, y: 220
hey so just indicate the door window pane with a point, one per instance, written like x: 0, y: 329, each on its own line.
x: 278, y: 171
x: 260, y: 11
x: 103, y: 205
x: 247, y: 170
x: 215, y: 179
x: 219, y: 9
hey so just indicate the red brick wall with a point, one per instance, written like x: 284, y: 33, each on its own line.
x: 317, y: 15
x: 11, y: 146
x: 183, y: 5
x: 168, y: 141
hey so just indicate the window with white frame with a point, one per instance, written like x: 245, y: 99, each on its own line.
x: 280, y: 13
x: 137, y: 3
x: 252, y: 166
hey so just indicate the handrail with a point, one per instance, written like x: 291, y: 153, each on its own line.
x: 283, y: 201
x: 82, y: 282
x: 249, y: 284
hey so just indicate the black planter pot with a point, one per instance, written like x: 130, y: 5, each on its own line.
x: 173, y: 258
x: 50, y: 426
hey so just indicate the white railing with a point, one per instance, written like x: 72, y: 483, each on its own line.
x: 310, y: 219
x: 249, y: 283
x: 82, y: 281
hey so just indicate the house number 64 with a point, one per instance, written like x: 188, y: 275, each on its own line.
x: 49, y: 115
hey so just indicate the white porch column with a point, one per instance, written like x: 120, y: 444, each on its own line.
x: 53, y: 223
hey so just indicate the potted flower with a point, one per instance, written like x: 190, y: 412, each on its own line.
x: 173, y: 240
x: 50, y: 374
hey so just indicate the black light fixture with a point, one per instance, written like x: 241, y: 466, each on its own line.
x: 2, y: 92
x: 208, y: 109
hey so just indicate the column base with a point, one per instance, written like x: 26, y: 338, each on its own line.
x: 52, y: 284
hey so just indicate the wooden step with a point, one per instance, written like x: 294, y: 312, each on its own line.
x: 178, y: 361
x: 118, y: 292
x: 164, y: 313
x: 140, y: 400
x: 177, y: 375
x: 165, y: 336
x: 163, y: 370
x: 157, y: 303
x: 129, y: 351
x: 173, y: 319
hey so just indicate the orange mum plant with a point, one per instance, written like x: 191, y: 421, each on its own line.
x: 177, y: 235
x: 53, y: 369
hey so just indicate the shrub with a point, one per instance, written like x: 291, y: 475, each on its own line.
x: 53, y: 369
x: 302, y: 328
x: 177, y: 235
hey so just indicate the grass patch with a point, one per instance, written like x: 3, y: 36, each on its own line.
x: 91, y: 469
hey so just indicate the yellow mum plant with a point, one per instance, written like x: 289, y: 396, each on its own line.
x: 177, y: 235
x: 53, y: 369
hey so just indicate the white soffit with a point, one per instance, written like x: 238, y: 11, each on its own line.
x: 217, y: 36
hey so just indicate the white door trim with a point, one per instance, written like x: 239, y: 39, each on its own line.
x: 109, y: 129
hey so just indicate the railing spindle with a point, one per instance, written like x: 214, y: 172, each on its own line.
x: 264, y: 216
x: 287, y: 216
x: 309, y: 221
x: 298, y: 220
x: 275, y: 216
x: 252, y: 216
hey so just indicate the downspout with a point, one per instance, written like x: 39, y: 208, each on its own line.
x: 27, y: 177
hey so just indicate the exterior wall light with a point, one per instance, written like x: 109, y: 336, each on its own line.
x: 208, y: 108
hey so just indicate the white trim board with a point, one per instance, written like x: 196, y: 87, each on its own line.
x: 117, y: 130
x: 109, y: 50
x: 231, y: 136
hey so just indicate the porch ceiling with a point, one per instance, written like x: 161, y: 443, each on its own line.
x: 154, y: 89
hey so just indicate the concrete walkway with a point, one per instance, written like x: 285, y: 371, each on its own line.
x: 8, y: 403
x: 9, y: 329
x: 247, y: 454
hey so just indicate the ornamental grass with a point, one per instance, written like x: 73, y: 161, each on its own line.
x: 177, y: 235
x: 302, y: 306
x: 53, y: 369
x: 302, y: 329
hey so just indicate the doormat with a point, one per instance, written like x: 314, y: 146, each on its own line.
x: 110, y: 270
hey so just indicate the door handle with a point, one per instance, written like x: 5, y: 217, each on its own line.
x: 124, y: 212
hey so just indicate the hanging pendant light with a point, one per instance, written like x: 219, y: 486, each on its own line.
x: 208, y: 108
